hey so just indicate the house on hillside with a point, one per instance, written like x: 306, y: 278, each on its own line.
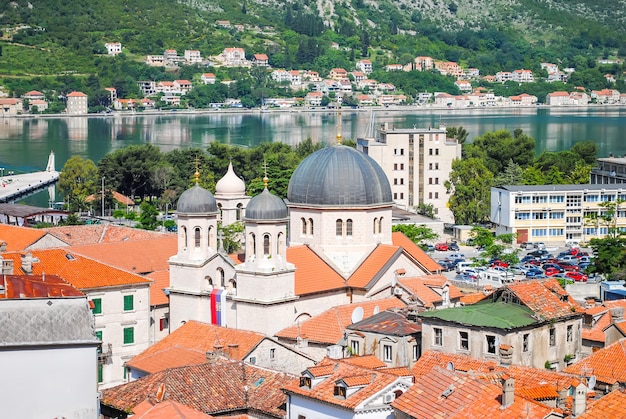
x: 76, y: 103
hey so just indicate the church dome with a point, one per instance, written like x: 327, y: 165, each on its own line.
x: 196, y: 200
x: 230, y: 184
x: 266, y: 206
x: 339, y: 176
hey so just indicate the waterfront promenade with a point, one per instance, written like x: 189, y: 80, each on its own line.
x: 14, y: 186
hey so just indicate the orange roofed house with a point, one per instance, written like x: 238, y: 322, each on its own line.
x: 532, y: 323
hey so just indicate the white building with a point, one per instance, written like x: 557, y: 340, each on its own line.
x: 365, y: 66
x: 417, y: 162
x: 193, y: 56
x: 113, y: 48
x: 555, y: 213
x: 76, y: 103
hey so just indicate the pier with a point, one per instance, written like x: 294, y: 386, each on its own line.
x: 13, y: 187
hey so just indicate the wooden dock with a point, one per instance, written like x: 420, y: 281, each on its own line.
x: 13, y: 187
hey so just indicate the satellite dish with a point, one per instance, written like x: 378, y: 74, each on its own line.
x: 450, y: 366
x: 357, y: 315
x: 592, y: 382
x: 376, y: 310
x: 394, y: 281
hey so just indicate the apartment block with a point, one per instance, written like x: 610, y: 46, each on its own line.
x: 417, y: 162
x: 555, y: 213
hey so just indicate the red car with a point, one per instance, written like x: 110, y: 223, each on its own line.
x: 576, y: 276
x: 568, y: 266
x: 551, y: 271
x: 442, y: 247
x: 499, y: 264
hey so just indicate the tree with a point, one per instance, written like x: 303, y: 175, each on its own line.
x: 417, y: 234
x: 232, y: 236
x: 427, y: 210
x: 78, y: 179
x: 498, y: 148
x: 469, y: 188
x: 148, y: 216
x: 460, y: 134
x: 513, y: 174
x: 610, y: 256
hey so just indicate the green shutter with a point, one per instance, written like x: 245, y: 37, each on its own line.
x: 97, y: 305
x: 129, y: 335
x: 128, y: 303
x: 99, y: 334
x: 100, y: 368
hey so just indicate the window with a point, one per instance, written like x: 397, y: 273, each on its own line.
x: 380, y: 225
x: 222, y: 276
x: 430, y: 195
x: 556, y: 231
x: 272, y: 353
x: 552, y: 337
x: 557, y: 199
x: 522, y: 216
x: 266, y: 244
x: 196, y: 233
x: 436, y: 152
x: 430, y: 181
x: 301, y: 417
x: 239, y: 209
x: 99, y: 334
x: 129, y: 335
x: 436, y: 166
x: 436, y: 181
x: 164, y: 323
x: 395, y: 166
x: 305, y: 382
x: 348, y: 227
x: 355, y: 347
x: 340, y: 391
x: 491, y: 344
x: 464, y: 341
x: 401, y: 181
x: 430, y: 151
x: 97, y: 305
x: 557, y: 215
x: 395, y: 195
x: 128, y: 303
x: 311, y: 226
x: 525, y: 342
x: 303, y: 221
x: 395, y: 181
x: 436, y: 195
x: 416, y: 352
x: 437, y: 336
x: 100, y: 373
x: 570, y: 333
x: 387, y: 353
x: 339, y: 228
x: 183, y: 233
x: 430, y: 166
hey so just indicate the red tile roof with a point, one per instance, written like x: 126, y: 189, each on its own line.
x: 328, y: 327
x: 371, y: 381
x: 546, y: 298
x: 613, y: 405
x: 76, y: 94
x: 448, y: 394
x: 189, y: 344
x: 473, y: 298
x: 19, y: 238
x: 31, y: 286
x: 168, y: 409
x: 102, y: 233
x: 82, y: 272
x: 312, y: 274
x: 424, y: 288
x: 373, y: 265
x: 607, y: 364
x: 429, y: 264
x: 160, y: 280
x: 366, y: 361
x: 213, y: 388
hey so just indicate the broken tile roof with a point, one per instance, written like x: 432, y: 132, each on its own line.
x: 189, y: 344
x: 82, y: 272
x: 389, y: 323
x: 607, y: 364
x: 546, y: 298
x: 328, y: 327
x: 425, y: 288
x: 168, y: 409
x: 101, y: 233
x: 449, y: 394
x: 20, y: 238
x: 370, y: 381
x: 36, y: 286
x: 213, y: 388
x: 602, y: 319
x: 141, y: 256
x: 613, y: 405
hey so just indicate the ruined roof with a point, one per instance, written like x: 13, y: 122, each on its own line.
x: 388, y: 323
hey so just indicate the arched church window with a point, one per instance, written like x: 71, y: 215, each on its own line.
x: 183, y: 232
x: 196, y: 233
x: 208, y: 236
x: 375, y: 229
x: 348, y: 227
x: 239, y: 210
x: 232, y: 284
x: 209, y: 281
x: 311, y: 226
x: 253, y: 243
x: 339, y: 227
x: 222, y: 277
x: 380, y: 226
x: 303, y: 221
x: 219, y: 207
x: 266, y: 244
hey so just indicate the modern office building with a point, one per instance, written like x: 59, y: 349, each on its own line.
x: 417, y: 162
x: 556, y: 213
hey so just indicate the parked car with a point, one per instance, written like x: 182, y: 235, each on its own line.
x: 534, y: 273
x: 498, y: 263
x: 553, y: 266
x: 520, y: 269
x: 540, y: 246
x: 551, y: 271
x: 576, y: 276
x: 457, y: 256
x: 463, y: 266
x: 567, y: 266
x: 429, y: 248
x: 446, y: 264
x: 441, y: 247
x: 453, y: 247
x: 569, y: 258
x: 527, y: 245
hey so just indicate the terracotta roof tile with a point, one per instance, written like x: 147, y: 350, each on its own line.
x: 608, y: 364
x: 101, y: 233
x: 160, y: 280
x: 328, y: 327
x: 138, y: 256
x: 313, y: 274
x: 31, y: 286
x: 19, y: 238
x: 596, y: 333
x: 541, y: 392
x: 366, y: 361
x: 389, y: 323
x: 189, y: 344
x: 592, y: 311
x: 373, y: 265
x: 320, y: 370
x: 80, y: 271
x: 220, y: 387
x: 448, y: 394
x: 399, y: 371
x: 399, y: 239
x: 168, y: 409
x: 425, y: 288
x: 613, y: 405
x: 546, y: 298
x: 373, y: 381
x: 473, y: 298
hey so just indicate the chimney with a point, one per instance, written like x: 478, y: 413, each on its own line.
x: 27, y: 263
x: 579, y: 405
x: 7, y: 266
x: 617, y: 314
x: 211, y: 357
x: 218, y: 348
x: 506, y: 354
x: 508, y: 391
x: 233, y: 350
x: 3, y: 246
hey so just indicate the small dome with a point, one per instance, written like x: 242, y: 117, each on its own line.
x: 196, y: 200
x: 230, y: 184
x: 339, y: 176
x: 266, y: 206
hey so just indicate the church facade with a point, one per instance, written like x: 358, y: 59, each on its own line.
x: 329, y: 243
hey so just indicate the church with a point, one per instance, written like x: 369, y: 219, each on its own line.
x: 329, y: 243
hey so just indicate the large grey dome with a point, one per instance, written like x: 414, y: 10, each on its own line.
x: 196, y: 200
x: 266, y: 206
x: 339, y: 176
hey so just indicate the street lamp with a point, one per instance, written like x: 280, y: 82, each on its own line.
x: 102, y: 196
